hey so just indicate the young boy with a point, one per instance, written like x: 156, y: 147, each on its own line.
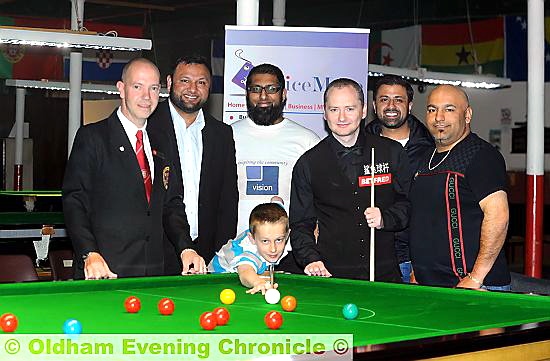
x: 251, y: 252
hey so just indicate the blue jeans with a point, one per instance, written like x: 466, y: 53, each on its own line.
x: 497, y: 288
x: 406, y: 269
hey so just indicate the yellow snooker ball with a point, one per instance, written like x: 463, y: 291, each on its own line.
x: 227, y: 296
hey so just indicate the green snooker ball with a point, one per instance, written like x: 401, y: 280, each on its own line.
x: 350, y: 311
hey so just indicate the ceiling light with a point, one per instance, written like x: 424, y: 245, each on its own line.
x: 423, y: 76
x: 64, y: 86
x: 69, y: 39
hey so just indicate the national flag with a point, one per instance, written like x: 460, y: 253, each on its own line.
x: 453, y: 48
x: 396, y: 47
x: 516, y: 48
x: 30, y: 62
x: 217, y: 62
x: 100, y: 65
x: 105, y: 65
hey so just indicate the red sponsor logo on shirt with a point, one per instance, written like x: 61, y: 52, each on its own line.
x: 379, y: 179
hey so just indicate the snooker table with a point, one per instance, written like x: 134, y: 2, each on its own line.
x: 30, y: 224
x: 395, y: 321
x: 44, y: 223
x: 30, y: 200
x: 31, y: 193
x: 39, y: 227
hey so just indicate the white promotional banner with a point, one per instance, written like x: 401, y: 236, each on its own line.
x: 310, y: 59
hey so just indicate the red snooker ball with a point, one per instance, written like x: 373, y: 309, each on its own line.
x: 8, y: 322
x: 208, y: 321
x: 273, y: 320
x: 166, y: 306
x: 222, y: 316
x: 132, y: 304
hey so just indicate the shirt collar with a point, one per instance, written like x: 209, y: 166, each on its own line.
x: 336, y: 146
x: 177, y: 118
x: 272, y: 127
x: 129, y: 127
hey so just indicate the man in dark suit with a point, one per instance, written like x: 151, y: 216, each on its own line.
x: 203, y: 152
x: 114, y: 206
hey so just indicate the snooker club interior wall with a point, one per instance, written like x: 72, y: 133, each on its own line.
x: 47, y: 115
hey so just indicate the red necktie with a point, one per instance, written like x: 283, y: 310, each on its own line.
x: 143, y: 165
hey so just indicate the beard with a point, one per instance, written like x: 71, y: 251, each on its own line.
x: 183, y: 106
x: 393, y: 123
x: 265, y: 115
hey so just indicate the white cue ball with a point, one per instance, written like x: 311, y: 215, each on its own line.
x: 272, y: 296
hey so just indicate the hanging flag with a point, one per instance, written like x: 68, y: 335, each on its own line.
x: 35, y: 63
x: 451, y: 48
x: 100, y: 65
x: 105, y: 65
x: 396, y: 47
x: 516, y: 48
x: 30, y: 62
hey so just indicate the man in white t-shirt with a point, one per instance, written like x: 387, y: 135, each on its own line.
x: 267, y: 144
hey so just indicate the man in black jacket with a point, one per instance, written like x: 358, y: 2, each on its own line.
x: 119, y: 192
x: 203, y: 152
x: 393, y: 101
x: 331, y: 185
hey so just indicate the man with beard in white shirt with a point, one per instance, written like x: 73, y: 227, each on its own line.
x: 267, y: 145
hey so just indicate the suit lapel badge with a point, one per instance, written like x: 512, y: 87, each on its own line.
x: 121, y: 148
x: 165, y: 176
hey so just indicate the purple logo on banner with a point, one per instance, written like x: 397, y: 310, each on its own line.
x: 240, y: 78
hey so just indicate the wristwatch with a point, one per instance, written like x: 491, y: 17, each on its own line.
x: 85, y: 256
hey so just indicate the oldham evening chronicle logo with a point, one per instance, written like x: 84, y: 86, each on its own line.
x: 262, y: 180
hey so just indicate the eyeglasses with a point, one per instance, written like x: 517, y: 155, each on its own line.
x: 269, y: 89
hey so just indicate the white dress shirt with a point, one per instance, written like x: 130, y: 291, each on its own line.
x: 189, y: 141
x: 131, y: 131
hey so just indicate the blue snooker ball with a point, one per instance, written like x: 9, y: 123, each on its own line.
x: 350, y: 311
x: 72, y: 327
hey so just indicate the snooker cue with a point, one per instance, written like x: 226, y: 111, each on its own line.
x: 371, y: 275
x: 271, y: 274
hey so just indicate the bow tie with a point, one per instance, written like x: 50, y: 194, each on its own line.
x: 356, y: 149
